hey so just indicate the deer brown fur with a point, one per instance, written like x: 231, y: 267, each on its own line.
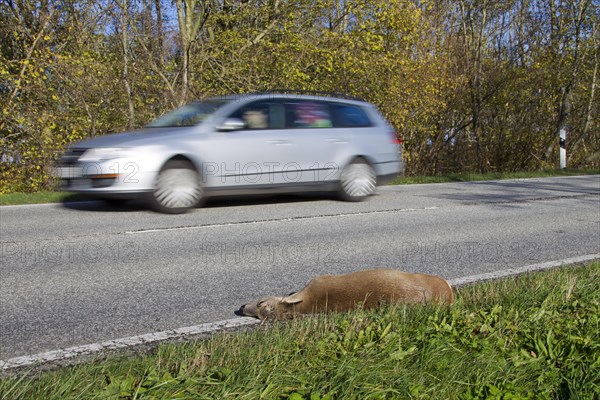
x: 366, y: 288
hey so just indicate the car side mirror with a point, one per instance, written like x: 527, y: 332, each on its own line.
x: 231, y: 124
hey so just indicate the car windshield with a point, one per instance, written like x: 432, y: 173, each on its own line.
x: 188, y: 115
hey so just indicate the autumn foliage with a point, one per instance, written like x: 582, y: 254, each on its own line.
x: 470, y: 85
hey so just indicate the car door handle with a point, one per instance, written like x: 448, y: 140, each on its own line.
x: 336, y: 140
x: 279, y: 142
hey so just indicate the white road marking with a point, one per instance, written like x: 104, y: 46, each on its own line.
x: 269, y: 221
x: 505, y: 273
x: 208, y: 329
x: 56, y: 356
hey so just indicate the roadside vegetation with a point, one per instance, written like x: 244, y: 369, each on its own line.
x: 535, y: 336
x: 59, y: 197
x: 474, y: 177
x: 470, y: 86
x: 37, y: 198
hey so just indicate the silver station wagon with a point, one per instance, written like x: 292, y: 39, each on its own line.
x: 239, y: 145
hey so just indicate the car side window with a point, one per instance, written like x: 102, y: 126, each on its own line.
x: 308, y: 114
x: 350, y: 116
x: 261, y: 115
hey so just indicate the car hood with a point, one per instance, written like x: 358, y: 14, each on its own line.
x: 134, y: 138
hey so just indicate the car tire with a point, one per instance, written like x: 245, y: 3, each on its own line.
x: 177, y: 189
x: 357, y: 181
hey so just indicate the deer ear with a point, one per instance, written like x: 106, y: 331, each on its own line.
x: 292, y: 299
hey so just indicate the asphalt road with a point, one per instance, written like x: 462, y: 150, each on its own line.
x: 75, y: 274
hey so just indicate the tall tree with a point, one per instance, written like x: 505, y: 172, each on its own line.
x: 192, y: 15
x: 124, y: 18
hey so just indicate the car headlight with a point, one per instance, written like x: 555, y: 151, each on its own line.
x: 103, y: 154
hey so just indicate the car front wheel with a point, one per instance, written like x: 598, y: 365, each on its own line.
x: 357, y: 181
x: 177, y: 189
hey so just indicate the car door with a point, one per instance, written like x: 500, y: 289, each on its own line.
x: 319, y: 146
x: 254, y: 156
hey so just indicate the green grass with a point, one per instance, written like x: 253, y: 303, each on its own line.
x: 411, y: 180
x: 536, y: 336
x: 9, y: 199
x: 58, y: 197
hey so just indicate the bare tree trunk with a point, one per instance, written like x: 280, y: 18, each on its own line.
x: 589, y: 120
x: 182, y: 12
x: 124, y: 21
x: 564, y: 107
x: 159, y: 33
x: 190, y: 21
x: 594, y: 85
x: 473, y: 41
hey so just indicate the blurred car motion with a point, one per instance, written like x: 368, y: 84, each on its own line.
x: 238, y: 145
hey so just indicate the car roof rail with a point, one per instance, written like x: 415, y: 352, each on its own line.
x: 312, y: 93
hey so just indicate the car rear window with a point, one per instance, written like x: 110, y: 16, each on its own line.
x: 308, y: 114
x: 350, y: 116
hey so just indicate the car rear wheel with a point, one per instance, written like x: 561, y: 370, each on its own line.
x: 177, y: 189
x: 357, y: 181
